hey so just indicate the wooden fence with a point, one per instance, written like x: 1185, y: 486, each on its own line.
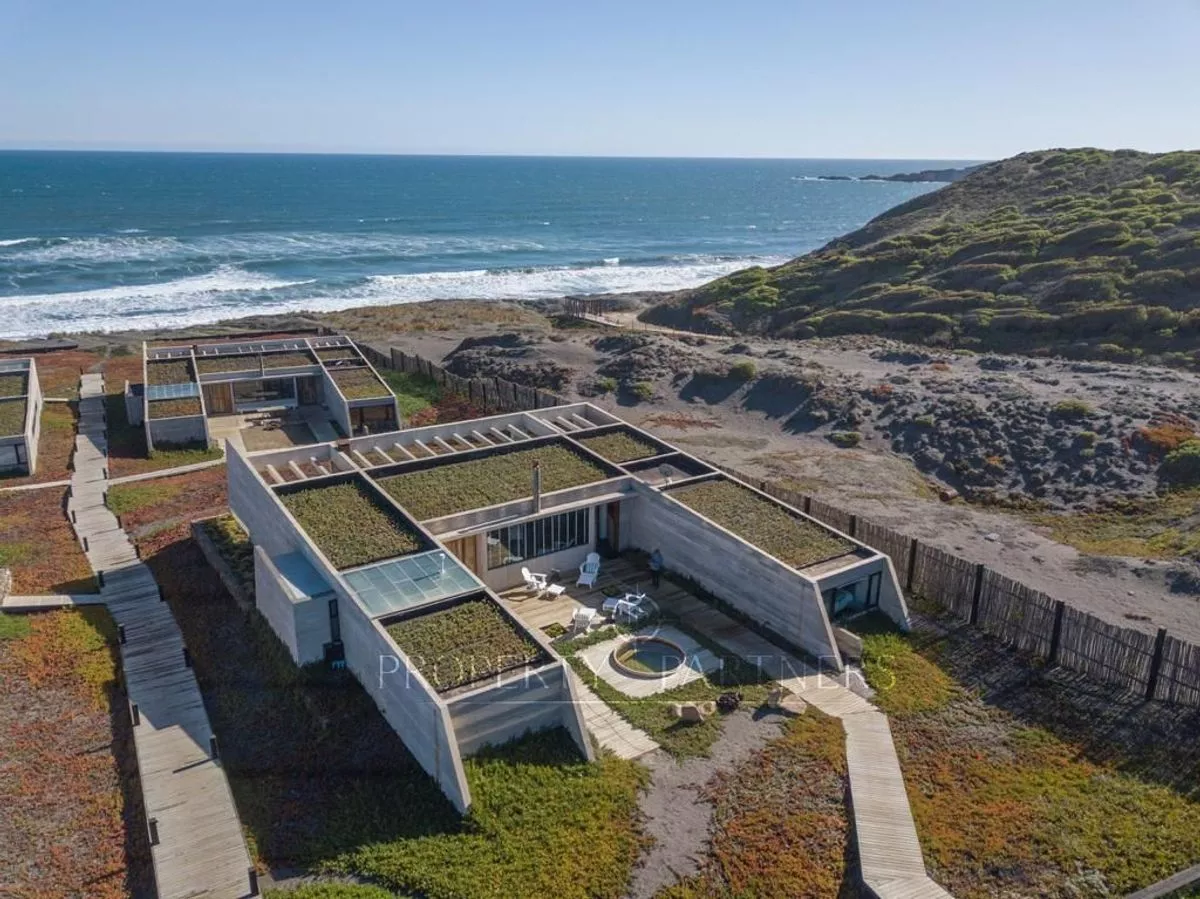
x: 1156, y: 666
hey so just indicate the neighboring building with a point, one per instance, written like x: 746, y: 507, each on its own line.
x: 362, y: 541
x: 186, y: 385
x: 20, y: 415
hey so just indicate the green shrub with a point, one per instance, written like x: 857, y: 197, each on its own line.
x: 1071, y: 410
x: 643, y: 390
x: 606, y: 385
x: 743, y: 371
x: 846, y: 439
x: 1182, y: 465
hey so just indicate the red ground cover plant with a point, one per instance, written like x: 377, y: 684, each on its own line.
x: 450, y: 407
x: 58, y: 372
x: 39, y: 545
x: 149, y: 506
x: 72, y: 824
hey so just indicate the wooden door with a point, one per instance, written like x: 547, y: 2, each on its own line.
x: 306, y: 391
x: 465, y: 550
x: 218, y: 399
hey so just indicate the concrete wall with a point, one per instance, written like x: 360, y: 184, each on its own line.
x: 408, y: 703
x: 567, y: 561
x: 339, y: 411
x: 733, y: 570
x: 302, y: 623
x: 177, y: 431
x: 504, y: 711
x: 891, y: 597
x: 134, y: 406
x: 257, y: 508
x: 33, y: 417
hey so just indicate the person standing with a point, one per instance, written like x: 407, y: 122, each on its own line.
x: 656, y: 564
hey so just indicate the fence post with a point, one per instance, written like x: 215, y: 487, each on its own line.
x: 853, y: 525
x: 807, y: 505
x: 913, y: 543
x: 1156, y: 663
x: 1056, y: 633
x: 979, y: 570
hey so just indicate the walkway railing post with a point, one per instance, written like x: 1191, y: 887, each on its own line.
x: 135, y: 714
x: 121, y: 633
x: 212, y: 746
x: 153, y: 822
x: 253, y: 882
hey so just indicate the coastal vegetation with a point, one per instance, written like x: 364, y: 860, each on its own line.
x: 1027, y: 780
x: 620, y: 446
x: 38, y: 544
x: 358, y: 383
x: 12, y: 417
x: 1086, y: 253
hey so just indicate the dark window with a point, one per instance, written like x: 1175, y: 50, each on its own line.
x: 335, y: 626
x: 519, y: 542
x: 268, y: 390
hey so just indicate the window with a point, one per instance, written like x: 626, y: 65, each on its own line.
x: 519, y: 542
x: 267, y: 390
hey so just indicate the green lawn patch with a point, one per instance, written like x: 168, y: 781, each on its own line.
x: 233, y: 544
x: 331, y: 891
x: 13, y: 627
x: 1001, y: 799
x: 126, y: 498
x: 175, y: 408
x: 414, y: 393
x: 465, y: 643
x: 1160, y: 527
x: 12, y: 417
x: 653, y: 714
x: 459, y: 486
x: 620, y: 446
x: 794, y: 541
x: 358, y: 383
x: 350, y: 524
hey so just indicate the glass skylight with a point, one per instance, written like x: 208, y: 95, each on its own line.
x: 398, y: 584
x: 172, y: 391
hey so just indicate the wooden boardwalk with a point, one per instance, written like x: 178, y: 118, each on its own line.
x: 46, y: 603
x: 199, y: 851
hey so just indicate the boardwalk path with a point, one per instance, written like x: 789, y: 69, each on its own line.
x: 888, y: 849
x: 200, y: 851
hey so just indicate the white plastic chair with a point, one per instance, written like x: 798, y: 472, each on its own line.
x: 534, y: 583
x: 588, y: 572
x: 582, y: 619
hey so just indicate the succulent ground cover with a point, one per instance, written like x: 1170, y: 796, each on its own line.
x: 653, y: 713
x: 620, y: 446
x: 127, y: 452
x: 174, y: 371
x: 465, y: 643
x: 329, y: 788
x: 175, y: 408
x: 790, y: 539
x: 38, y: 544
x: 358, y: 383
x: 331, y: 354
x: 1034, y: 784
x: 780, y: 826
x: 55, y: 446
x: 210, y: 365
x: 287, y: 360
x: 350, y: 524
x: 474, y: 484
x: 58, y: 372
x: 12, y: 417
x: 13, y: 383
x: 145, y: 506
x: 72, y: 823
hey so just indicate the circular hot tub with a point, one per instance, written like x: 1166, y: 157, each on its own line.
x: 648, y: 657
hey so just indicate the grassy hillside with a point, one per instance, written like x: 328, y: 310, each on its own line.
x: 1087, y: 252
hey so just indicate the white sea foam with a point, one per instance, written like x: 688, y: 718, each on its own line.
x: 613, y: 260
x: 17, y: 241
x: 231, y: 292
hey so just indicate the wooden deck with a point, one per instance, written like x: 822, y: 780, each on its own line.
x: 200, y: 851
x: 889, y: 851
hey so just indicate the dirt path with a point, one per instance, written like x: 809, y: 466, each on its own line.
x: 678, y: 817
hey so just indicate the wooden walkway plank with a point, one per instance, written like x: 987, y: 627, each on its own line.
x: 200, y: 850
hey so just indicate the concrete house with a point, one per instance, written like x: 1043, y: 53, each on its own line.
x: 334, y: 581
x: 324, y: 380
x: 20, y: 415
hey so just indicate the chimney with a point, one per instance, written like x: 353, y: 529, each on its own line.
x: 537, y: 486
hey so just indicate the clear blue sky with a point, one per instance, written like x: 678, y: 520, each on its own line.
x: 914, y: 79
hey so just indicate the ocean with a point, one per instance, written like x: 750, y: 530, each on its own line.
x: 103, y: 241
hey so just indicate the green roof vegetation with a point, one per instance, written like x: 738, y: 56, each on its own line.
x: 358, y: 383
x: 287, y: 360
x: 1086, y: 252
x: 792, y: 540
x: 459, y: 486
x: 329, y: 354
x: 620, y: 446
x: 13, y: 383
x: 12, y: 417
x: 210, y: 365
x: 464, y: 643
x: 173, y: 371
x: 175, y: 408
x: 350, y: 524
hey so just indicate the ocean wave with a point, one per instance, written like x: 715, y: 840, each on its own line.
x: 229, y: 292
x: 17, y: 241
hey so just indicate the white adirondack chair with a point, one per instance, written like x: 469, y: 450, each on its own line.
x: 534, y: 583
x: 588, y: 572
